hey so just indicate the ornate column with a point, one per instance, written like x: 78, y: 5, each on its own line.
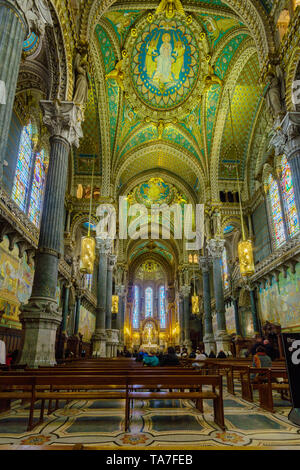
x: 254, y: 311
x: 99, y: 337
x: 208, y: 339
x: 236, y: 316
x: 112, y: 335
x: 120, y: 290
x: 181, y: 313
x: 41, y: 317
x: 185, y: 291
x: 215, y: 249
x: 286, y: 140
x: 77, y: 314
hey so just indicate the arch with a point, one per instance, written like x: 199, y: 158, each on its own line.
x: 159, y: 259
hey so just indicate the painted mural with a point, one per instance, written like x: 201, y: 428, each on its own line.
x: 16, y: 278
x: 230, y: 320
x: 165, y: 63
x: 280, y: 303
x: 87, y: 324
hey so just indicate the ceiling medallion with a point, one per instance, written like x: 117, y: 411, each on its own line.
x: 166, y: 65
x: 155, y: 191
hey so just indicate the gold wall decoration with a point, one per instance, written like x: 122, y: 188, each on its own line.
x: 87, y: 256
x: 170, y: 8
x: 245, y: 252
x: 117, y: 74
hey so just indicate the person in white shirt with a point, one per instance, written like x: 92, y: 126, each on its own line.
x: 2, y: 352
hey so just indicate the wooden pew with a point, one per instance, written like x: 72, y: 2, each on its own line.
x: 193, y: 383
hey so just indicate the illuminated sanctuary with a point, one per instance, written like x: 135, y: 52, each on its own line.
x: 114, y: 104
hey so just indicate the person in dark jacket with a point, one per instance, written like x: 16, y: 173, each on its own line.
x: 170, y: 359
x: 193, y: 354
x: 221, y: 355
x: 259, y: 342
x: 212, y: 355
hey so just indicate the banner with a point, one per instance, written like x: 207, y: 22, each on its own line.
x: 291, y: 344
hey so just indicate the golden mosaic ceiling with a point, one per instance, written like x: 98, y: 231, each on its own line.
x: 163, y: 87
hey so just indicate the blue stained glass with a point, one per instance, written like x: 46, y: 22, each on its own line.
x: 276, y: 212
x: 149, y: 302
x: 225, y: 272
x: 289, y: 198
x: 23, y: 170
x: 162, y: 306
x: 135, y: 319
x: 36, y: 197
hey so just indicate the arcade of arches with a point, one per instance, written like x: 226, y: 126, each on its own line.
x: 171, y: 102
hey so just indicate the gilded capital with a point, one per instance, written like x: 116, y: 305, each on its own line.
x: 63, y: 119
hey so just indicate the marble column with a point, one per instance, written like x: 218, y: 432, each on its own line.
x: 254, y: 312
x: 215, y: 249
x: 209, y: 340
x: 286, y: 140
x: 41, y: 316
x: 99, y: 337
x: 185, y: 291
x: 111, y: 334
x: 120, y: 290
x: 237, y: 317
x: 181, y: 324
x: 77, y: 315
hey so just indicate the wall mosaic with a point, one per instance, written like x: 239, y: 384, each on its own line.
x: 280, y: 303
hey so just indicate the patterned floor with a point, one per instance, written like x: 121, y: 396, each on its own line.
x: 155, y: 423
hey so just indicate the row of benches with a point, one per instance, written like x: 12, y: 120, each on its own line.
x: 124, y: 383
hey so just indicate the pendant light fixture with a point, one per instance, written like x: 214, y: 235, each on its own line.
x: 245, y: 247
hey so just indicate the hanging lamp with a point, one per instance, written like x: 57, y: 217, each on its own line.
x: 245, y: 247
x: 88, y: 243
x: 195, y: 298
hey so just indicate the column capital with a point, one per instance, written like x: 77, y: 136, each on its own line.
x: 286, y: 137
x: 215, y: 247
x: 185, y: 291
x: 36, y: 13
x: 204, y: 263
x: 63, y: 119
x: 121, y: 290
x: 104, y: 246
x: 111, y: 262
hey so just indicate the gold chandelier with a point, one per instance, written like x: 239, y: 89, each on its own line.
x: 195, y: 298
x: 88, y: 243
x: 245, y: 247
x: 115, y: 304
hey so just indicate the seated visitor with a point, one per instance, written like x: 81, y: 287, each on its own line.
x: 141, y: 354
x: 259, y: 342
x: 212, y: 355
x: 184, y: 353
x: 270, y: 350
x: 193, y: 354
x: 151, y: 359
x: 201, y: 357
x: 178, y: 353
x: 170, y: 359
x: 221, y: 355
x: 260, y: 359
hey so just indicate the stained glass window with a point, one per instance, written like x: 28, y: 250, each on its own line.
x: 23, y: 170
x: 225, y: 272
x: 36, y: 197
x: 149, y: 302
x: 135, y: 319
x: 289, y: 198
x: 88, y: 281
x: 162, y: 306
x: 276, y: 212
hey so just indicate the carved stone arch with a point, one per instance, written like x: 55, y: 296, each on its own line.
x: 78, y: 220
x: 244, y: 55
x: 182, y: 154
x: 168, y: 176
x: 292, y: 75
x: 133, y: 267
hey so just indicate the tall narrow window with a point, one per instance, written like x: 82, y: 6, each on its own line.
x: 288, y: 196
x: 225, y: 271
x: 30, y: 176
x: 162, y: 306
x: 149, y: 302
x: 276, y: 212
x: 88, y: 281
x: 37, y: 189
x: 23, y: 171
x: 135, y: 319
